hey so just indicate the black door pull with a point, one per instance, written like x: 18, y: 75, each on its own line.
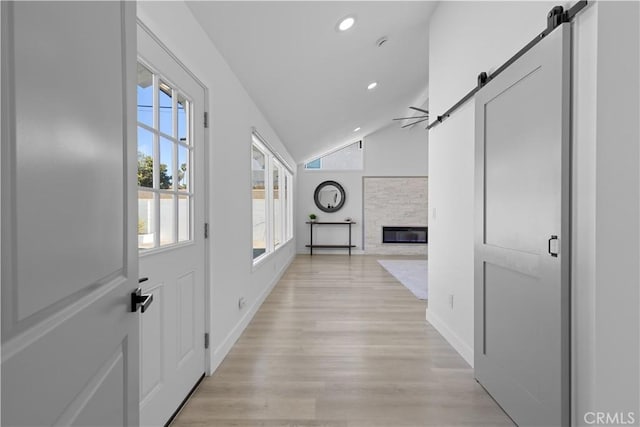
x: 138, y: 299
x: 552, y: 238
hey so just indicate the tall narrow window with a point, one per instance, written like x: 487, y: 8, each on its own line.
x: 277, y: 206
x: 289, y: 195
x: 285, y: 204
x: 164, y: 163
x: 272, y: 200
x: 258, y: 167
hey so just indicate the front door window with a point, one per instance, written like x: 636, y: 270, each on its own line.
x: 165, y: 196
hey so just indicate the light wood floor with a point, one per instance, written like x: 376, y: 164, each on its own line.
x: 340, y: 342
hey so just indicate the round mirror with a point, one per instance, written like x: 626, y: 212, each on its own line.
x: 329, y: 196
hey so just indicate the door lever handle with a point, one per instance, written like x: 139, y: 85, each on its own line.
x: 552, y: 238
x: 138, y: 299
x: 143, y: 279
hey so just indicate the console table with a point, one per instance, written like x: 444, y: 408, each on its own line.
x: 311, y: 246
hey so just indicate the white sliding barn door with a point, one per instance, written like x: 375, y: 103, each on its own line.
x: 522, y: 235
x: 69, y: 257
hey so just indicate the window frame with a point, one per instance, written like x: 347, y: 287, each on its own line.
x: 157, y: 135
x: 263, y: 150
x: 273, y: 162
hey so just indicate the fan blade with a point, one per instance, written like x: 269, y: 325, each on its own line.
x: 409, y: 118
x: 411, y: 124
x: 419, y: 109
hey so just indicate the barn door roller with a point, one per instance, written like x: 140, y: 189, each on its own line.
x: 556, y: 17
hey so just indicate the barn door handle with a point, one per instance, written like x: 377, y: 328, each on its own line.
x: 552, y: 238
x: 138, y: 299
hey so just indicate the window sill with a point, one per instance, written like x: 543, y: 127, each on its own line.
x: 259, y: 261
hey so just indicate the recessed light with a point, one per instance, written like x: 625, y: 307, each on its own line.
x: 372, y: 85
x: 356, y: 129
x: 345, y: 23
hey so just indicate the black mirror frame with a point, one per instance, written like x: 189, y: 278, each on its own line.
x: 316, y: 196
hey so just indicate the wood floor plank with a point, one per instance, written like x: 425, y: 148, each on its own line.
x: 340, y: 342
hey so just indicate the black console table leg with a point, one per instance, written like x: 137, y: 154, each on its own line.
x: 311, y: 245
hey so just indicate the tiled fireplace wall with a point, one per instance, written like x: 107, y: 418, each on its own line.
x: 393, y: 201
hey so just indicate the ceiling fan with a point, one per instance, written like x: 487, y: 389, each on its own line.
x: 418, y: 119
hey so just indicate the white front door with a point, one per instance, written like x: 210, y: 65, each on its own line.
x: 69, y: 258
x: 171, y: 205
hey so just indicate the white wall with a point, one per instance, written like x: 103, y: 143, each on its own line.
x: 389, y: 152
x: 467, y: 38
x: 232, y: 114
x: 393, y: 151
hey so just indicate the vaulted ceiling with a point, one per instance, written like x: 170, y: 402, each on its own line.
x: 309, y: 79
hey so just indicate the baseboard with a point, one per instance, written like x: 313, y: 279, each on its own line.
x: 460, y: 346
x: 223, y: 349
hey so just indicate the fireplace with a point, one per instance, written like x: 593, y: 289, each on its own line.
x: 414, y: 235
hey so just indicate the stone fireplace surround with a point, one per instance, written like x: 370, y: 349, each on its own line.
x: 393, y: 201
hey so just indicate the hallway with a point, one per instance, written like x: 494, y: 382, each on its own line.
x: 340, y: 342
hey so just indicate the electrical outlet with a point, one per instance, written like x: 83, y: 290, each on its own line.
x: 451, y: 301
x: 241, y: 303
x: 433, y: 213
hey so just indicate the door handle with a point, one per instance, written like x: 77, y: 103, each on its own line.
x: 138, y: 299
x: 552, y: 238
